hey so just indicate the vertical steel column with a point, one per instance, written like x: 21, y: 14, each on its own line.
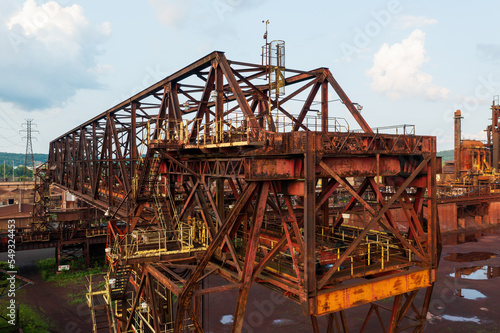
x: 325, y: 207
x: 198, y: 303
x: 434, y: 232
x: 219, y: 196
x: 58, y: 253
x: 133, y: 146
x: 219, y: 106
x: 395, y: 314
x: 107, y: 145
x: 94, y: 153
x: 314, y: 322
x: 310, y: 222
x: 324, y: 106
x: 251, y: 253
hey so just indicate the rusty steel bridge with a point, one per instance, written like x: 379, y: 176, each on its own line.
x: 223, y: 168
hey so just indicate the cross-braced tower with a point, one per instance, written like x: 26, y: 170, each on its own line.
x: 28, y: 157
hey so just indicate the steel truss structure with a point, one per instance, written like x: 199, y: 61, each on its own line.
x: 71, y: 231
x: 214, y: 170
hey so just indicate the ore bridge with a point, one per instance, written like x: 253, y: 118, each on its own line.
x: 218, y: 170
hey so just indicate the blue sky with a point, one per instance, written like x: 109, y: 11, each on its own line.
x: 405, y: 61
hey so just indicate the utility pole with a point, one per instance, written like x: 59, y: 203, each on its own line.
x: 28, y: 157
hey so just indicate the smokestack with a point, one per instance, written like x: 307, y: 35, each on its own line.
x: 458, y: 141
x: 495, y: 136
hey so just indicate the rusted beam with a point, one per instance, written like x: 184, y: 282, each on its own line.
x: 179, y: 75
x: 202, y: 106
x: 370, y: 225
x: 307, y: 105
x: 161, y: 278
x: 347, y: 102
x: 310, y: 228
x: 251, y: 252
x: 228, y: 73
x: 324, y: 107
x: 136, y: 300
x: 152, y: 299
x: 292, y: 167
x: 186, y: 292
x: 217, y: 289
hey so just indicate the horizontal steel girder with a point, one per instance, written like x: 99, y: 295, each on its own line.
x: 291, y: 168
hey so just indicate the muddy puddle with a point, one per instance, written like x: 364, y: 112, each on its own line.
x: 471, y: 294
x: 469, y: 256
x: 467, y: 236
x: 462, y: 319
x: 477, y: 272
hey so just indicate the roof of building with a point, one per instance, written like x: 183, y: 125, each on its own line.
x: 12, y: 211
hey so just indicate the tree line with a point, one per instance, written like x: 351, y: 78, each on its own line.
x: 19, y: 174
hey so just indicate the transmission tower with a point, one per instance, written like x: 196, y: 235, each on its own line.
x: 28, y: 157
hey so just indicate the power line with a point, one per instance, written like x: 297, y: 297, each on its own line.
x: 28, y: 157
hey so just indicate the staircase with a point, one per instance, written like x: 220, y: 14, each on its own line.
x: 150, y: 165
x: 99, y: 308
x: 121, y: 276
x: 101, y: 320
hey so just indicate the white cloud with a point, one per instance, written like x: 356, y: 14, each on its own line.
x: 48, y: 53
x: 174, y: 13
x: 101, y: 69
x: 480, y: 136
x: 397, y: 70
x: 170, y: 13
x: 183, y: 14
x: 408, y: 21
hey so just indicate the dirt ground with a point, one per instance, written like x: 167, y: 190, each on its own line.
x: 48, y: 298
x: 465, y: 297
x: 452, y: 307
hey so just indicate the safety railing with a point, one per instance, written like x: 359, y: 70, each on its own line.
x: 188, y: 237
x: 313, y: 123
x: 377, y: 248
x: 236, y: 128
x: 143, y: 316
x: 403, y: 129
x: 376, y: 252
x: 469, y: 191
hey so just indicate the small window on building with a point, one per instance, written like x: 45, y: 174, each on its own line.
x: 11, y: 201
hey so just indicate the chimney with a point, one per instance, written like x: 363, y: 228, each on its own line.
x: 458, y: 141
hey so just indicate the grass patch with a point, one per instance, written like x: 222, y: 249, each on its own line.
x: 79, y: 297
x: 29, y: 320
x: 75, y: 275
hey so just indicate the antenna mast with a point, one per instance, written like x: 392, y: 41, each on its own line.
x: 273, y: 57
